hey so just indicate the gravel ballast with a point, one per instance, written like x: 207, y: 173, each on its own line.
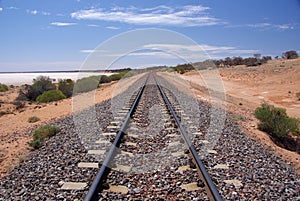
x: 241, y: 168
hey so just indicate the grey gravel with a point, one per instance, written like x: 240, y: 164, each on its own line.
x: 264, y: 176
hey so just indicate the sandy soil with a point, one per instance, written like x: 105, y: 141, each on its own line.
x: 15, y: 130
x: 246, y: 88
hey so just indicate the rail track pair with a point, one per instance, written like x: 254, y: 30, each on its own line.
x: 97, y: 185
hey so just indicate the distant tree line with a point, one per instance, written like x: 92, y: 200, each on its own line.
x: 183, y: 68
x: 118, y: 70
x: 256, y: 60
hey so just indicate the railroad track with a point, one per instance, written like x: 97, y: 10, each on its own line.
x: 151, y: 161
x: 151, y: 155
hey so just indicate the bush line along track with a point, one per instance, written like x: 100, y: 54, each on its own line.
x: 98, y: 183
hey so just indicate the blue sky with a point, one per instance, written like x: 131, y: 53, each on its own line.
x: 59, y: 35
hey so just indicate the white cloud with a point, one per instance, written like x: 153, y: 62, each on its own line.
x: 186, y: 16
x: 112, y: 27
x: 272, y: 26
x: 193, y: 53
x: 1, y: 9
x: 12, y: 8
x: 35, y: 12
x: 266, y: 26
x: 201, y: 51
x: 87, y: 51
x: 284, y: 26
x: 259, y: 25
x: 92, y: 51
x: 62, y: 24
x: 93, y: 25
x: 45, y: 13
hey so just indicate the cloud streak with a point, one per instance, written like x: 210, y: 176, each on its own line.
x: 266, y: 26
x: 62, y: 24
x: 112, y: 27
x: 93, y: 25
x: 12, y: 8
x: 34, y: 12
x: 186, y: 16
x: 202, y: 51
x: 193, y: 53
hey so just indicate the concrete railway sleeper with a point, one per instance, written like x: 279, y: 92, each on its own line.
x: 151, y: 157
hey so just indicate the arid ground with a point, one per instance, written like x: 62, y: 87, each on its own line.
x: 246, y: 87
x: 276, y: 82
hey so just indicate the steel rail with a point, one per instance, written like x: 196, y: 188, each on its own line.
x: 96, y: 185
x: 213, y: 191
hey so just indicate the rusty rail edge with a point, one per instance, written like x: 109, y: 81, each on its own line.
x: 96, y: 185
x: 213, y: 191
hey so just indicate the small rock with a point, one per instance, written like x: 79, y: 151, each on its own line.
x: 61, y: 183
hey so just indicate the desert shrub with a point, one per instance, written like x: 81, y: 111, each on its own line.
x: 115, y: 77
x: 292, y: 54
x: 298, y: 95
x: 105, y: 79
x: 120, y: 75
x: 86, y: 84
x: 252, y: 61
x: 128, y: 74
x: 31, y: 93
x: 66, y: 87
x: 266, y: 58
x: 49, y: 96
x: 43, y: 83
x: 21, y: 96
x: 33, y: 119
x: 183, y: 68
x: 19, y: 104
x: 39, y: 86
x: 2, y: 113
x: 275, y: 121
x: 3, y: 87
x: 42, y: 133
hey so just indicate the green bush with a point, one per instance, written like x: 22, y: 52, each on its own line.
x: 86, y: 84
x: 31, y: 93
x: 275, y: 121
x: 3, y: 87
x: 36, y: 143
x: 118, y: 76
x: 43, y: 83
x: 104, y: 79
x: 66, y: 87
x: 42, y: 133
x: 292, y: 54
x: 183, y: 68
x: 39, y: 86
x: 128, y: 74
x: 49, y: 96
x: 115, y: 77
x: 33, y: 119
